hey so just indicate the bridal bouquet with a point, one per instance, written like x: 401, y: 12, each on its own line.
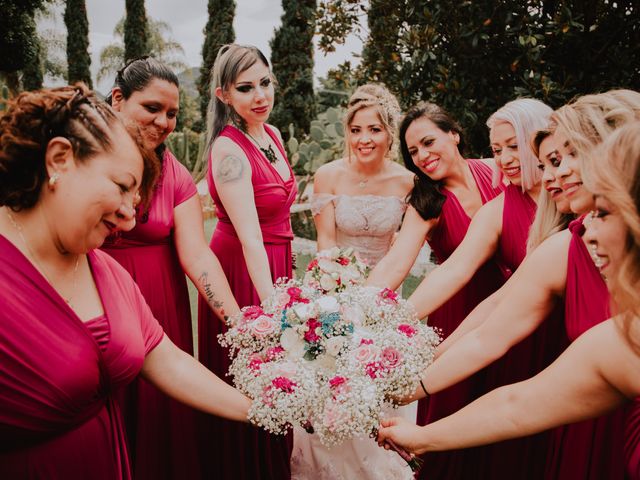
x: 328, y: 356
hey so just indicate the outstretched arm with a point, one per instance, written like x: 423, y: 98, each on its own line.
x: 198, y: 261
x: 542, y: 277
x: 180, y: 376
x: 479, y: 244
x: 597, y: 373
x: 394, y: 267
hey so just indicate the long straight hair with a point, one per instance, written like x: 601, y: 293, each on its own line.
x: 231, y: 61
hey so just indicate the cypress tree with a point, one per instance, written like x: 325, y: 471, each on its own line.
x: 78, y: 59
x: 381, y: 53
x: 136, y: 43
x: 32, y: 73
x: 292, y: 62
x: 217, y: 32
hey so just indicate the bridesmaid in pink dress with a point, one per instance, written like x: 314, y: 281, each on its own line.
x: 74, y: 328
x: 501, y: 228
x: 448, y: 191
x: 545, y: 276
x: 599, y: 371
x: 167, y: 242
x: 253, y: 188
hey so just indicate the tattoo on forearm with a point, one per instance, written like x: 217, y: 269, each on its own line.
x: 210, y: 295
x: 229, y: 169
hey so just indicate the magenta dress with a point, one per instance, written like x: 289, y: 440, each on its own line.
x: 161, y: 432
x: 231, y: 450
x: 632, y: 441
x: 58, y: 416
x: 447, y: 235
x: 521, y: 458
x: 592, y: 449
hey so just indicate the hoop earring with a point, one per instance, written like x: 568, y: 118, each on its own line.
x: 53, y: 179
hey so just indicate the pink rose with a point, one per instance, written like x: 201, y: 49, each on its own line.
x: 388, y: 296
x: 273, y: 353
x: 252, y: 312
x: 334, y: 417
x: 267, y: 396
x: 390, y: 358
x: 366, y: 341
x: 264, y: 326
x: 365, y: 353
x: 255, y: 361
x: 343, y: 261
x: 373, y: 369
x: 338, y: 386
x: 312, y: 264
x: 311, y: 335
x: 408, y: 330
x: 284, y: 384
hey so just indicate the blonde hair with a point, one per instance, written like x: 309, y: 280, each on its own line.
x: 231, y: 61
x: 548, y: 219
x: 590, y: 119
x: 619, y: 183
x: 525, y: 115
x: 378, y: 97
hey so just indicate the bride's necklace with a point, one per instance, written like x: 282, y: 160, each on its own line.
x: 74, y: 280
x: 268, y: 152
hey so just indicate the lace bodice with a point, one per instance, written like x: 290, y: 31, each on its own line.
x: 364, y: 222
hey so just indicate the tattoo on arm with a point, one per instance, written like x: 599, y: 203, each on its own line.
x: 229, y: 169
x: 210, y: 295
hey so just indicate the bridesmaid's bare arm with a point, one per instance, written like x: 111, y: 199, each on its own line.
x: 198, y: 261
x: 232, y: 176
x: 598, y: 372
x: 542, y: 278
x: 394, y: 267
x: 478, y: 246
x: 182, y: 377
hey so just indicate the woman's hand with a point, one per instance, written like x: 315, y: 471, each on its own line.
x: 402, y: 433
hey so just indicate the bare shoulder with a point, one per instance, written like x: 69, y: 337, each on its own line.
x: 228, y: 161
x: 330, y: 171
x: 402, y: 175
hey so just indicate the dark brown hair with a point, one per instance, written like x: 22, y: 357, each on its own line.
x: 33, y: 119
x: 426, y: 196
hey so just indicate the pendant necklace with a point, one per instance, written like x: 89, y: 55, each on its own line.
x: 268, y: 152
x: 18, y: 228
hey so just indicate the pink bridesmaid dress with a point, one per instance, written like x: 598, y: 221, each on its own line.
x: 161, y: 431
x: 592, y: 449
x: 522, y: 458
x: 632, y: 441
x: 58, y: 415
x: 448, y: 234
x: 231, y: 450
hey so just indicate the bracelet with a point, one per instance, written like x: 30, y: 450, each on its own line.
x: 423, y: 388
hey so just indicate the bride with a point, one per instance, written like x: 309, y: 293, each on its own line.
x: 358, y: 202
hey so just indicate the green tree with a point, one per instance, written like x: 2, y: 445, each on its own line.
x: 78, y: 59
x: 18, y: 41
x: 471, y: 57
x: 136, y: 35
x: 292, y: 62
x: 162, y: 47
x: 217, y: 32
x: 381, y: 52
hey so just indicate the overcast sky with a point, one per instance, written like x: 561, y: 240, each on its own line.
x: 254, y: 23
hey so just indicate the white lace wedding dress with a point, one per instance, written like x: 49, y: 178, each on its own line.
x: 367, y: 223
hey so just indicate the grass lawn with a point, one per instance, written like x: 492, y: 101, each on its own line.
x: 302, y: 261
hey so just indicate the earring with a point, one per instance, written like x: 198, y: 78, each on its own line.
x: 52, y: 180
